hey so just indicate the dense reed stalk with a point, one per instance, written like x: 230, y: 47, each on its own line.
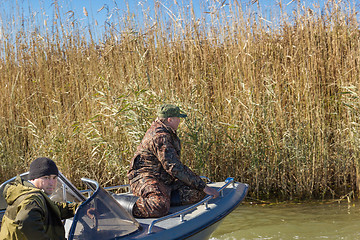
x: 273, y: 105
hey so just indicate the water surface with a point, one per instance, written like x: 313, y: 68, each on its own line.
x: 292, y: 221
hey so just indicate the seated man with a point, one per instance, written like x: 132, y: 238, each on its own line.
x: 30, y: 213
x: 156, y: 174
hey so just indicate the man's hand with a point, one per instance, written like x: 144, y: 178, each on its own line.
x: 211, y: 191
x: 92, y: 213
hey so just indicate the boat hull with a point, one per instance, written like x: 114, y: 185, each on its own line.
x: 200, y: 222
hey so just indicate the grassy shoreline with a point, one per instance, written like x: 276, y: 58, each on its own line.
x: 276, y: 109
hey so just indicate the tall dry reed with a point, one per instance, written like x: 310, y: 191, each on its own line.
x: 273, y: 105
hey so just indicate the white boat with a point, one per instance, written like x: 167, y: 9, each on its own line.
x: 104, y: 215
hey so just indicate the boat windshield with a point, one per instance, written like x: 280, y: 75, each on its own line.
x: 101, y: 217
x: 66, y: 192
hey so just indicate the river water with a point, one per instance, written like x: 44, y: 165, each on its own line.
x: 292, y: 221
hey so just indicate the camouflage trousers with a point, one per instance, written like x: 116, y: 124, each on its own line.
x: 155, y: 197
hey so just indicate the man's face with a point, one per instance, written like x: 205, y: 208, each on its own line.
x: 46, y: 183
x: 174, y: 122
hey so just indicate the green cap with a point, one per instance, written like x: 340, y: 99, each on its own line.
x: 169, y: 110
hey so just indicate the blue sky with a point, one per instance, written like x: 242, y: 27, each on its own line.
x: 135, y: 6
x: 93, y: 6
x: 99, y: 12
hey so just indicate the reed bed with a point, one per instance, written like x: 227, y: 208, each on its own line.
x: 272, y: 103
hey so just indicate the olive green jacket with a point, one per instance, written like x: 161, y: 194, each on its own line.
x: 31, y: 214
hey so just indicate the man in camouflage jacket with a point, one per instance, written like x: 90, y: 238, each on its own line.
x: 156, y: 173
x: 31, y: 214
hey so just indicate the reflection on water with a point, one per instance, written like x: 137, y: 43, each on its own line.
x: 292, y: 221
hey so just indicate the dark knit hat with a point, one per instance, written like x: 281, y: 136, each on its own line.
x: 42, y: 167
x: 169, y: 110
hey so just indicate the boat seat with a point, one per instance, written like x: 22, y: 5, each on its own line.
x: 127, y: 201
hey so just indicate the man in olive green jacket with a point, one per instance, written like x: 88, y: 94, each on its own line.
x: 31, y: 214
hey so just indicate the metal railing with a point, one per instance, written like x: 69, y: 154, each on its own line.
x: 89, y: 191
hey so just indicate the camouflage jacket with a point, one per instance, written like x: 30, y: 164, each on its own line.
x: 32, y: 215
x: 158, y: 156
